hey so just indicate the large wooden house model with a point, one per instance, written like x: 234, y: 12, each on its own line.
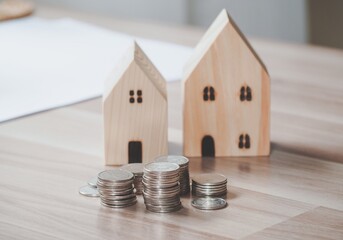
x: 226, y: 87
x: 135, y: 111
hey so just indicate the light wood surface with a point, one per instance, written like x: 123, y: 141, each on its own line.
x: 296, y: 193
x: 135, y: 111
x: 214, y: 105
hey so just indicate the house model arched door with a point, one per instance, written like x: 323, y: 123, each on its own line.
x: 135, y: 152
x: 207, y: 146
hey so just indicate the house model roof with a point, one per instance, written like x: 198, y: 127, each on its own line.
x: 135, y: 54
x: 222, y: 21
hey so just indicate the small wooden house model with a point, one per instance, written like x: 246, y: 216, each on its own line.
x: 226, y: 87
x: 135, y: 111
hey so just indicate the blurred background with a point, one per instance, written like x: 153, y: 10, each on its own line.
x: 317, y: 22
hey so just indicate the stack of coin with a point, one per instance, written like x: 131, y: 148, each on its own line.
x: 116, y: 188
x: 137, y: 170
x: 209, y: 185
x: 161, y: 187
x: 183, y: 163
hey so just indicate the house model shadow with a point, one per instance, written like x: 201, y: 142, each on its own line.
x: 226, y: 102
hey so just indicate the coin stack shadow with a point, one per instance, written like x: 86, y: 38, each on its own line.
x: 183, y: 163
x: 161, y: 187
x: 116, y: 188
x: 209, y: 185
x: 137, y: 170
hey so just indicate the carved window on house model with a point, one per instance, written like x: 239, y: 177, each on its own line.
x: 209, y: 94
x: 136, y: 97
x: 244, y: 141
x: 245, y: 94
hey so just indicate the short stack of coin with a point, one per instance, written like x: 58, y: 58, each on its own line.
x: 209, y: 185
x: 137, y: 170
x: 183, y: 163
x: 161, y: 187
x: 116, y: 188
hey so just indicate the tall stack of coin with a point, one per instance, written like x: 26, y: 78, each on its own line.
x: 183, y: 163
x: 209, y: 185
x: 137, y: 170
x: 116, y: 188
x: 161, y: 187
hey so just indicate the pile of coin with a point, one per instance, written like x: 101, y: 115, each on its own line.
x: 116, y: 188
x: 183, y: 163
x: 209, y: 185
x: 161, y: 187
x: 137, y: 170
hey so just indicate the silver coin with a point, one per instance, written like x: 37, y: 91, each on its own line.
x: 222, y: 195
x: 180, y: 160
x: 116, y: 175
x: 161, y: 209
x: 161, y: 167
x: 114, y: 193
x: 201, y: 194
x: 119, y: 201
x: 209, y: 203
x: 89, y: 191
x: 209, y: 190
x: 119, y: 206
x: 136, y: 168
x: 92, y: 182
x: 160, y: 180
x: 121, y: 185
x: 119, y: 198
x: 222, y: 186
x: 209, y: 179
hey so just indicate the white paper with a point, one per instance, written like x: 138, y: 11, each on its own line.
x: 51, y: 63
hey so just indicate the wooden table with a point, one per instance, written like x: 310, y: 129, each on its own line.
x: 296, y: 193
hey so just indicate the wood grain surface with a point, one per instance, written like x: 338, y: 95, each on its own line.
x: 296, y: 193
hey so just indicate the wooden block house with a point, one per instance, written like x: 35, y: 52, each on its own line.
x: 135, y: 111
x: 226, y: 96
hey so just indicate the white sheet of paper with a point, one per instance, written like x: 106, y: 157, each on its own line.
x: 51, y: 63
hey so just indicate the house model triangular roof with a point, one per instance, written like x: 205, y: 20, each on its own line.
x: 222, y: 21
x: 136, y: 54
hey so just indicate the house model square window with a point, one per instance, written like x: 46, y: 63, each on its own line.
x: 139, y: 96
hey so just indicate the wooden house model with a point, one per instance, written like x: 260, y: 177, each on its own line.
x: 226, y: 96
x: 135, y: 111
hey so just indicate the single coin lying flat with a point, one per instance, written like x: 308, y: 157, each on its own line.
x: 89, y: 191
x: 92, y: 182
x: 209, y: 203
